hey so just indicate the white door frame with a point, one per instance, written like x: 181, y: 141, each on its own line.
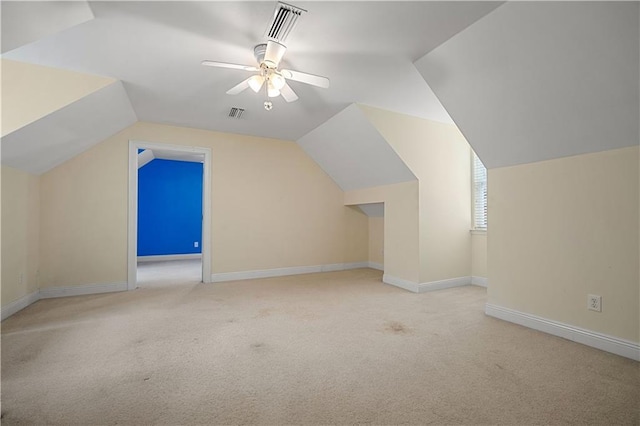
x: 132, y: 228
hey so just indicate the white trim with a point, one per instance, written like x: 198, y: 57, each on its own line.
x: 481, y: 281
x: 145, y: 157
x: 478, y: 232
x: 81, y: 290
x: 18, y: 305
x: 622, y: 347
x: 49, y: 293
x: 132, y: 224
x: 400, y: 282
x: 280, y: 272
x: 375, y: 265
x: 442, y: 284
x: 168, y: 257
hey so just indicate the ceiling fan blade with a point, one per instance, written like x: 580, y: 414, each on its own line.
x: 303, y: 77
x: 288, y: 94
x: 239, y: 87
x: 274, y: 53
x: 229, y: 65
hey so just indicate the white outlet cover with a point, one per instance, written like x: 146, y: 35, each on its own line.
x: 594, y: 302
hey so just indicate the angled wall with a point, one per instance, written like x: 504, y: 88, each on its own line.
x: 68, y: 131
x: 269, y: 202
x: 401, y: 229
x: 532, y: 81
x: 547, y: 93
x: 439, y: 156
x: 30, y: 92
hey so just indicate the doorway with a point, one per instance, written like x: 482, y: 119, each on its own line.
x: 141, y: 153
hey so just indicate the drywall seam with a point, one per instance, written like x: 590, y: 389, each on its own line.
x: 280, y: 272
x: 622, y: 347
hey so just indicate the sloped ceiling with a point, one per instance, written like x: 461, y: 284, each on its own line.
x: 367, y: 49
x: 24, y: 22
x: 352, y: 152
x: 61, y: 135
x: 30, y: 92
x: 533, y: 81
x: 372, y: 209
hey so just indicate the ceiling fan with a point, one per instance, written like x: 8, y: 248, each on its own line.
x: 268, y: 56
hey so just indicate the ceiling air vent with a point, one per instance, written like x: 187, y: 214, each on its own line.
x: 285, y: 17
x: 236, y: 112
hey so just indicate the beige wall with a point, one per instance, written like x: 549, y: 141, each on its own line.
x: 20, y: 234
x: 565, y: 228
x: 376, y: 240
x: 401, y: 237
x: 30, y: 92
x: 439, y: 156
x: 479, y: 254
x: 272, y: 207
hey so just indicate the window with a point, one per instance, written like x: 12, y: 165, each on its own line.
x: 479, y: 174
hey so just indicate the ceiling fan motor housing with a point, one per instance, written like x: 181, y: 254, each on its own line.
x: 259, y: 51
x: 269, y: 53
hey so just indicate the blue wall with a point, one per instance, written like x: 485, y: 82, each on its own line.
x: 169, y: 207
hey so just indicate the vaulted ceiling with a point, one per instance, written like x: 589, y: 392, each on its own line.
x: 524, y: 81
x: 155, y: 49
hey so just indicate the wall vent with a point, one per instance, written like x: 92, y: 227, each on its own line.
x: 285, y: 17
x: 236, y: 112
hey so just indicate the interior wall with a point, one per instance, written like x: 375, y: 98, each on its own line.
x: 376, y: 240
x: 479, y: 254
x: 20, y: 234
x: 401, y: 231
x: 272, y: 207
x: 169, y: 208
x: 439, y: 156
x: 30, y: 92
x: 565, y: 228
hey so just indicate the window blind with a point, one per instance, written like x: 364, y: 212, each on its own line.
x: 479, y: 194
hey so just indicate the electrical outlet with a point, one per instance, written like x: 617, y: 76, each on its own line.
x: 594, y: 302
x: 195, y: 244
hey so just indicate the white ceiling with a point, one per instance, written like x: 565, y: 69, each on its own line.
x: 352, y: 152
x: 24, y: 22
x: 372, y: 209
x: 55, y: 138
x: 539, y: 80
x: 367, y: 49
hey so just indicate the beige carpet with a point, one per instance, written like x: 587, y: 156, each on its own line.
x: 331, y: 348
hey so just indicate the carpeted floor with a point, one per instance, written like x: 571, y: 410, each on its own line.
x: 330, y: 348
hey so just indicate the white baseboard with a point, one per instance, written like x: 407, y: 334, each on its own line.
x: 81, y: 290
x: 18, y: 305
x: 167, y: 257
x: 281, y: 272
x: 622, y: 347
x: 481, y: 281
x: 442, y: 284
x: 400, y: 282
x: 49, y: 293
x: 425, y: 287
x: 375, y: 265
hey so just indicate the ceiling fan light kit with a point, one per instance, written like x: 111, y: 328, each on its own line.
x: 268, y: 56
